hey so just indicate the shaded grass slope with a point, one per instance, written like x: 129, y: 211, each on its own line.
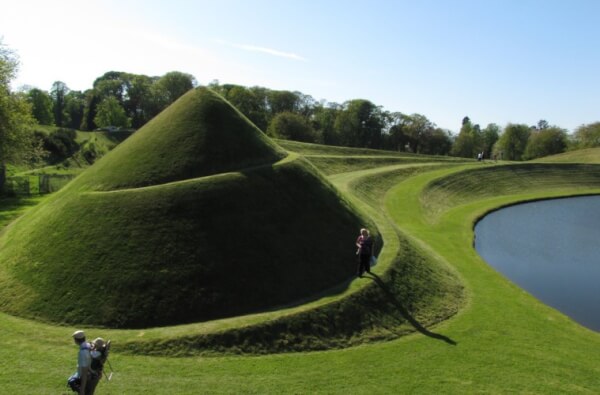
x: 151, y: 236
x: 410, y: 290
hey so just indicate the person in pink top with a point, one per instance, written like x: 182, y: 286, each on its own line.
x: 364, y: 252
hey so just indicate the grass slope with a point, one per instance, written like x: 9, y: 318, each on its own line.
x: 588, y: 155
x: 502, y: 341
x: 182, y: 249
x: 200, y: 134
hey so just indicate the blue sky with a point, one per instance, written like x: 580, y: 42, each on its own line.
x: 494, y: 61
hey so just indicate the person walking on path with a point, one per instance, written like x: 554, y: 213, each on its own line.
x: 364, y: 252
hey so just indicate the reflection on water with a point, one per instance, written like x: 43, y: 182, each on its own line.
x: 551, y: 249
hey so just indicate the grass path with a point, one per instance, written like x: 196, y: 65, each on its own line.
x: 505, y: 340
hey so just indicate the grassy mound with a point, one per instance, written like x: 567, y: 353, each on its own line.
x: 502, y: 341
x: 107, y: 251
x: 201, y: 134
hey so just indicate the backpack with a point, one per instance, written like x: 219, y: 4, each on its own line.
x: 99, y: 353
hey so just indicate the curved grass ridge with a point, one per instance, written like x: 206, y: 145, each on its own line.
x: 588, y: 155
x: 411, y: 290
x: 507, y: 341
x: 474, y: 184
x: 165, y: 245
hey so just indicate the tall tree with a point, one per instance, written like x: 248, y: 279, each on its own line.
x: 360, y: 124
x: 489, y: 135
x: 436, y: 141
x: 111, y: 113
x: 324, y: 122
x: 248, y: 102
x: 92, y: 99
x: 140, y: 106
x: 468, y: 141
x: 290, y: 126
x: 513, y: 141
x: 58, y: 93
x: 16, y: 138
x: 549, y: 140
x: 172, y: 86
x: 282, y: 101
x: 41, y: 106
x: 587, y: 136
x: 74, y: 108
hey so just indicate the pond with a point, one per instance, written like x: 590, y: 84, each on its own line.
x: 550, y: 248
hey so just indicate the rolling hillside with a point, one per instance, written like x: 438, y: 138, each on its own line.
x: 433, y: 317
x: 195, y: 217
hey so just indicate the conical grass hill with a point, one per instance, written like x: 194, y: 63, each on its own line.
x: 197, y: 216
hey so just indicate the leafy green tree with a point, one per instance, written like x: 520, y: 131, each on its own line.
x: 58, y: 93
x: 550, y: 140
x: 60, y: 144
x: 542, y: 124
x: 587, y: 136
x: 290, y: 126
x: 112, y: 83
x: 74, y: 108
x: 41, y: 106
x: 249, y: 102
x: 419, y: 130
x: 436, y: 142
x: 17, y: 142
x: 513, y: 141
x: 324, y: 122
x: 92, y: 99
x: 397, y: 137
x: 172, y: 86
x: 489, y: 135
x: 360, y: 124
x: 468, y: 142
x: 111, y: 113
x: 283, y: 101
x: 140, y: 105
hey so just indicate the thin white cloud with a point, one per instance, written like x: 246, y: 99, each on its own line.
x: 268, y: 51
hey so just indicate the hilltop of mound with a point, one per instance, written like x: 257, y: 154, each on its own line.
x: 199, y: 135
x: 194, y: 217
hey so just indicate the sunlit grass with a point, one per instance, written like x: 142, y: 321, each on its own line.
x: 502, y: 340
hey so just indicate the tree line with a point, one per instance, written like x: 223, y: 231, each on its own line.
x: 116, y: 99
x: 126, y: 100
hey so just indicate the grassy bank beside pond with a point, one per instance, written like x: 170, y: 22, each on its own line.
x: 434, y: 318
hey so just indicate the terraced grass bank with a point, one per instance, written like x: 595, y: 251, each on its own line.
x: 197, y: 216
x: 472, y: 330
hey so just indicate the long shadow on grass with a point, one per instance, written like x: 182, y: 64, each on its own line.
x: 406, y: 315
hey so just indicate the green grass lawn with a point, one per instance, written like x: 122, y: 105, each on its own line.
x: 434, y: 319
x: 588, y: 155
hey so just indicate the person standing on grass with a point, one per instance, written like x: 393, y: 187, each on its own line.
x: 364, y: 252
x: 84, y: 360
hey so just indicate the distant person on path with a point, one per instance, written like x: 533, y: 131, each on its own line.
x: 364, y: 252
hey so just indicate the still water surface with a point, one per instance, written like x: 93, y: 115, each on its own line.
x: 551, y: 249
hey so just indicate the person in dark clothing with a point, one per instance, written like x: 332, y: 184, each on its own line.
x: 364, y: 252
